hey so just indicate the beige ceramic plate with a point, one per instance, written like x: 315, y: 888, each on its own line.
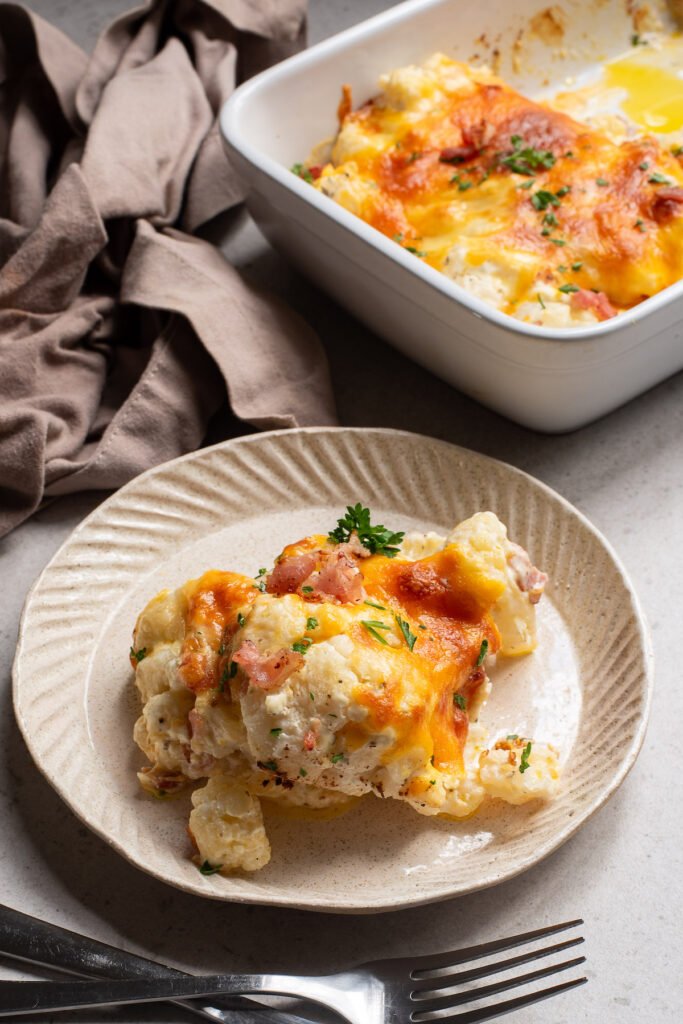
x: 234, y: 506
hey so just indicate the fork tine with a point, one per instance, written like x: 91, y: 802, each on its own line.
x: 471, y: 995
x: 508, y: 1005
x: 434, y: 984
x: 440, y: 961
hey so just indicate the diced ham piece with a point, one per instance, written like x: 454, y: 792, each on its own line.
x: 326, y: 575
x: 339, y: 579
x: 267, y: 671
x: 667, y: 204
x: 290, y: 573
x: 528, y: 578
x: 310, y: 740
x: 597, y: 302
x: 353, y: 546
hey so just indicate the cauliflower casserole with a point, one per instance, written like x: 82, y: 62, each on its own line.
x: 355, y: 666
x: 556, y: 221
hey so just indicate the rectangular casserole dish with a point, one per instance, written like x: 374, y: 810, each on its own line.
x: 549, y: 379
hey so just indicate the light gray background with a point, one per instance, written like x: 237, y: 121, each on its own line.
x: 623, y: 872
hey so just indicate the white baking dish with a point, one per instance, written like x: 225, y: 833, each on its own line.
x: 551, y: 379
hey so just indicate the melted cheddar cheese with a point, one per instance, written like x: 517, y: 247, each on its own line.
x: 338, y: 674
x: 546, y: 218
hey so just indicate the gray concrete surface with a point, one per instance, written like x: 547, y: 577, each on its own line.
x: 622, y: 872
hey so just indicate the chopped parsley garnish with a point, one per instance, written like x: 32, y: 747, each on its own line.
x: 512, y: 736
x: 302, y: 172
x: 659, y: 179
x: 527, y: 160
x: 462, y: 185
x: 398, y: 237
x: 209, y: 869
x: 577, y: 265
x: 137, y: 656
x: 567, y: 288
x: 377, y: 539
x: 640, y: 224
x: 524, y: 764
x: 229, y: 672
x: 275, y: 732
x: 526, y: 184
x: 483, y: 651
x: 311, y: 695
x: 561, y: 192
x: 373, y: 626
x: 303, y: 773
x: 541, y: 302
x: 460, y: 701
x: 240, y: 620
x: 311, y: 622
x: 432, y: 782
x: 550, y: 219
x: 336, y: 758
x: 637, y: 40
x: 561, y: 269
x: 301, y: 646
x: 558, y: 241
x: 260, y: 586
x: 404, y: 626
x: 373, y: 604
x: 414, y: 156
x: 307, y: 590
x: 415, y: 252
x: 270, y: 766
x: 545, y: 232
x: 542, y: 199
x: 602, y: 182
x: 644, y: 166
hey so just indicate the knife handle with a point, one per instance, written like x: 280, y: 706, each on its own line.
x: 38, y: 942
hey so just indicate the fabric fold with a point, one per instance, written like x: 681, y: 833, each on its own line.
x: 120, y: 333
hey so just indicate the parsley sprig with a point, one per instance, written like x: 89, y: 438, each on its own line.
x: 377, y: 539
x: 527, y: 160
x: 524, y: 763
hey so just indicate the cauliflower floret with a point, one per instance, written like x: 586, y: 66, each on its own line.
x: 226, y: 825
x: 501, y: 775
x: 158, y: 672
x: 492, y: 281
x: 347, y: 187
x: 549, y: 307
x: 421, y: 545
x: 217, y: 727
x: 162, y: 730
x: 418, y: 88
x: 161, y: 621
x: 484, y: 542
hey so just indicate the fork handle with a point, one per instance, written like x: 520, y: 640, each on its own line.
x: 22, y: 997
x: 29, y: 939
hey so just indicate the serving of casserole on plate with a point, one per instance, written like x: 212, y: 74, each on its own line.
x: 499, y: 193
x: 583, y: 692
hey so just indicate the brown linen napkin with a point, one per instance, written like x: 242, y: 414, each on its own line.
x: 120, y: 333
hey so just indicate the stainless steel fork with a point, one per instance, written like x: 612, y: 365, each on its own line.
x: 397, y: 991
